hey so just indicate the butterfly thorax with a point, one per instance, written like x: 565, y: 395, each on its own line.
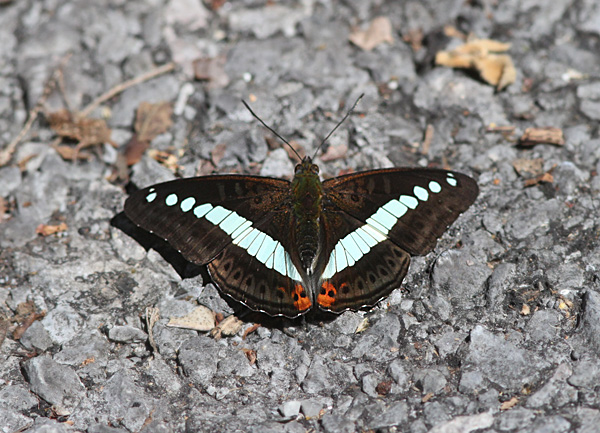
x: 307, y: 192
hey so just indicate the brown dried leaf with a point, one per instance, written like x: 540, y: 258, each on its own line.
x: 211, y: 69
x: 414, y: 38
x: 199, y: 319
x: 509, y: 403
x: 251, y: 355
x: 498, y: 70
x: 135, y: 150
x: 69, y: 153
x: 87, y: 132
x: 379, y: 31
x: 529, y: 167
x: 152, y: 120
x: 479, y: 54
x: 217, y: 153
x: 250, y: 330
x: 335, y: 152
x: 384, y: 387
x: 47, y: 230
x: 32, y: 317
x: 231, y: 325
x: 548, y: 135
x: 543, y: 178
x: 165, y: 158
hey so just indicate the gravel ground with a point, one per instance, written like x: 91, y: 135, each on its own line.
x: 497, y: 330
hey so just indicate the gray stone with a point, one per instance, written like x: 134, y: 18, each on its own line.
x: 14, y: 421
x: 465, y: 423
x: 36, y: 336
x: 290, y: 409
x: 10, y: 179
x: 517, y: 418
x: 277, y: 164
x: 396, y: 414
x: 590, y: 324
x: 337, y: 424
x: 544, y: 325
x: 551, y: 424
x: 501, y: 361
x: 127, y: 334
x: 397, y: 371
x: 126, y: 401
x: 429, y: 380
x: 198, y: 358
x: 459, y: 278
x: 55, y: 383
x: 556, y: 391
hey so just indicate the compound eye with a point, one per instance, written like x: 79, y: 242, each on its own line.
x: 314, y: 169
x: 298, y: 169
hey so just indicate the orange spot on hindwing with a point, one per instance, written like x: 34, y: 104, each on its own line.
x: 301, y: 299
x: 327, y: 294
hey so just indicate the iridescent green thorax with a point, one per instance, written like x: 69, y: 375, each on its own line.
x: 307, y: 192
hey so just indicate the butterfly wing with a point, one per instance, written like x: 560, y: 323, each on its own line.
x: 235, y: 223
x: 379, y: 219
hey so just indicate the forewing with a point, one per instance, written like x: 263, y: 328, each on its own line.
x: 411, y: 207
x: 201, y: 216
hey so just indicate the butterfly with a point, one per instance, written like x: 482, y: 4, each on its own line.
x: 285, y: 247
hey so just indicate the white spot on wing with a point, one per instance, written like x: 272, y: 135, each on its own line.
x: 330, y: 268
x: 202, y: 210
x: 409, y: 201
x: 266, y: 250
x: 217, y: 215
x: 340, y: 257
x: 151, y: 197
x: 395, y: 208
x: 187, y: 204
x: 171, y: 200
x: 232, y: 223
x: 434, y: 187
x: 279, y: 259
x: 421, y: 193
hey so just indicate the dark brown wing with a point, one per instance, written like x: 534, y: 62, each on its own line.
x: 200, y: 216
x: 375, y: 220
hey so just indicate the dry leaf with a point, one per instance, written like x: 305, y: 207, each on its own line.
x: 200, y: 318
x: 231, y: 325
x: 384, y: 388
x: 414, y: 38
x: 363, y: 325
x: 480, y: 54
x: 379, y: 31
x: 165, y: 158
x: 250, y: 330
x: 217, y: 153
x: 528, y: 167
x: 509, y: 403
x: 548, y: 135
x: 251, y: 355
x: 32, y: 317
x: 152, y: 120
x: 87, y: 132
x: 211, y: 70
x: 72, y: 153
x: 543, y: 178
x: 335, y: 152
x: 525, y: 310
x: 47, y: 230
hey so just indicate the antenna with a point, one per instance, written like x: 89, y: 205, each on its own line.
x: 271, y: 129
x: 339, y: 123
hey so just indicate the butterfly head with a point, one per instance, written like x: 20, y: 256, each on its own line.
x: 306, y: 168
